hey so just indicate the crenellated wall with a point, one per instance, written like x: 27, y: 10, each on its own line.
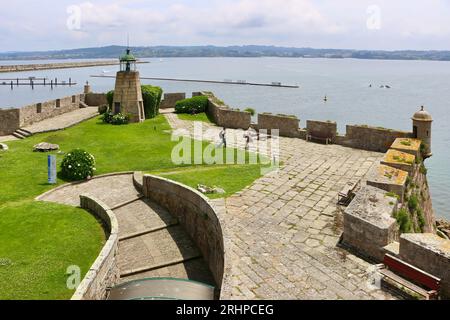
x: 370, y: 138
x: 13, y: 119
x: 288, y: 126
x: 170, y: 99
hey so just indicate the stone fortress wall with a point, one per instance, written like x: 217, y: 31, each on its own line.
x: 15, y: 118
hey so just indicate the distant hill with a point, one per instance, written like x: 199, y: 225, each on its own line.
x: 231, y: 51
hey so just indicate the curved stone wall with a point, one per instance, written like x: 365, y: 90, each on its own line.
x: 198, y: 216
x: 104, y: 273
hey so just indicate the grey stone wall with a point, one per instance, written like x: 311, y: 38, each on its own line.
x: 170, y: 99
x: 368, y: 223
x: 196, y: 214
x: 322, y: 129
x: 288, y: 126
x: 95, y: 99
x: 9, y: 121
x: 370, y: 138
x: 104, y: 273
x: 49, y: 109
x: 431, y: 254
x: 225, y: 116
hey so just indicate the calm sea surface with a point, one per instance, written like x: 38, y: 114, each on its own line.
x: 345, y: 82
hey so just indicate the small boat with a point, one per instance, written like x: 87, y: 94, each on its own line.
x: 388, y: 87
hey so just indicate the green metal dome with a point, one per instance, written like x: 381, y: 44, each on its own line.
x: 127, y: 56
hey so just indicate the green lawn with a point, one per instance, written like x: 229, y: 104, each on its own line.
x: 203, y: 117
x: 38, y: 241
x: 231, y: 178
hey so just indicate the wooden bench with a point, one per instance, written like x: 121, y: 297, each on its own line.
x: 320, y: 136
x: 347, y: 193
x: 403, y: 275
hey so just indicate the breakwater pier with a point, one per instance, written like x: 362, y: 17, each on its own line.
x: 64, y: 65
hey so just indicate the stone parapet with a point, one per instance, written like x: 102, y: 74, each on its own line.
x: 198, y: 216
x: 104, y: 273
x: 170, y: 99
x: 430, y: 253
x: 288, y: 126
x: 369, y: 225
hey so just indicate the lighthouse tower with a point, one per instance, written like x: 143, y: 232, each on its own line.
x: 127, y: 94
x: 422, y: 121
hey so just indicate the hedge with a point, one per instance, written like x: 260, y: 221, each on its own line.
x: 195, y: 104
x: 151, y: 96
x: 152, y: 100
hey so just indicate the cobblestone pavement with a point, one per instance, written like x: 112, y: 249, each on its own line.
x: 151, y: 242
x: 283, y: 230
x: 63, y: 121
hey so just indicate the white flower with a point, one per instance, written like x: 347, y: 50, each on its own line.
x: 70, y: 167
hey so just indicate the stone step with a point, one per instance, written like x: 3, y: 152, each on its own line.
x: 155, y: 250
x: 83, y: 105
x: 392, y: 249
x: 18, y: 135
x: 140, y: 217
x: 127, y: 202
x: 24, y: 132
x: 195, y: 269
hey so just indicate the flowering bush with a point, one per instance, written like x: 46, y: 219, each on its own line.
x: 78, y: 165
x: 119, y: 119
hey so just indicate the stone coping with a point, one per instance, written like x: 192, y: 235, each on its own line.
x: 374, y: 206
x: 398, y: 157
x: 430, y: 242
x: 87, y: 288
x: 45, y: 194
x: 387, y: 174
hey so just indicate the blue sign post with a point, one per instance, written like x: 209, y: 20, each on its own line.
x: 51, y: 164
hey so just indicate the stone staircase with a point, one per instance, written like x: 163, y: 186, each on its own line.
x: 22, y: 133
x: 152, y: 243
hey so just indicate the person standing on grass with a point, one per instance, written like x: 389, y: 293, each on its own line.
x: 247, y: 139
x: 223, y: 137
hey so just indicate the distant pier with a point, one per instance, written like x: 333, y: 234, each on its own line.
x: 238, y: 82
x: 64, y: 65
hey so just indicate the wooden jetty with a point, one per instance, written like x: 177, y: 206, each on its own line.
x: 33, y: 81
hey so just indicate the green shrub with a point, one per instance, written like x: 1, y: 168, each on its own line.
x: 102, y: 109
x: 423, y: 169
x: 152, y: 100
x: 110, y: 98
x: 413, y: 203
x: 421, y: 219
x: 78, y: 165
x: 403, y: 220
x: 107, y: 116
x: 251, y: 111
x: 192, y: 105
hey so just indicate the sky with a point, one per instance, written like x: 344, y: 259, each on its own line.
x: 27, y: 25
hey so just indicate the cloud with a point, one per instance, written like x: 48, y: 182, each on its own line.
x: 412, y: 24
